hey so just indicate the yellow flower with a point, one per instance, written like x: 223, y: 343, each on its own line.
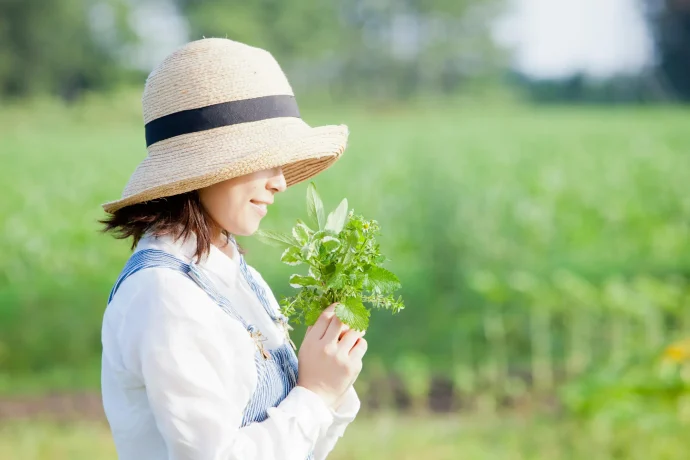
x: 678, y: 352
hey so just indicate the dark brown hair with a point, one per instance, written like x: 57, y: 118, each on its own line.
x: 179, y: 216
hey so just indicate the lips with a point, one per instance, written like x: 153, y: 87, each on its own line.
x: 261, y: 208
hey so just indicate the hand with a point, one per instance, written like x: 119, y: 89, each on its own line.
x: 330, y: 357
x: 341, y: 399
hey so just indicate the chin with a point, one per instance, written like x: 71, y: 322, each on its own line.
x: 247, y: 230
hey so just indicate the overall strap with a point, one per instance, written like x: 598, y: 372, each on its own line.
x: 258, y: 290
x: 260, y: 293
x: 148, y: 258
x: 155, y: 258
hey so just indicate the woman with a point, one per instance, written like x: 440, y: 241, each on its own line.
x: 197, y: 361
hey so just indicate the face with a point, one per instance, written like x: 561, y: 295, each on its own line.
x: 239, y: 204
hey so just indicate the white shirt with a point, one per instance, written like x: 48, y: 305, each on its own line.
x: 177, y: 371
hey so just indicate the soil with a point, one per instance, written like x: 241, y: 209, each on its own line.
x: 389, y: 393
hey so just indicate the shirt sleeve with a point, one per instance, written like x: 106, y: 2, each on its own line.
x: 342, y: 417
x: 198, y: 367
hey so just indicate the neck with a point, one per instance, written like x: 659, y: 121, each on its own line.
x: 223, y: 243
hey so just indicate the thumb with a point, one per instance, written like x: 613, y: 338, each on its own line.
x: 308, y: 329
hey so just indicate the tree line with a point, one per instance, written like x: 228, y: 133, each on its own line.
x: 381, y: 49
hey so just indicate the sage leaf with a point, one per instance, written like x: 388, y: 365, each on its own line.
x: 276, y: 239
x: 315, y: 207
x: 336, y: 219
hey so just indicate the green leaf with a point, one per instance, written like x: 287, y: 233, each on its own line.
x: 276, y: 239
x: 330, y: 244
x: 349, y: 257
x: 308, y: 250
x: 312, y: 313
x: 298, y: 281
x: 300, y: 221
x: 353, y: 313
x: 357, y: 280
x: 356, y: 222
x: 379, y: 279
x: 321, y: 234
x: 352, y: 239
x: 330, y: 273
x: 336, y: 219
x: 315, y: 207
x: 301, y: 233
x: 336, y: 282
x: 398, y: 305
x: 291, y: 256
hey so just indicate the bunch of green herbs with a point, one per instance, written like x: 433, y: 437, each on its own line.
x: 344, y: 265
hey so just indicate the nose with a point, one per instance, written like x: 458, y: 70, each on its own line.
x: 276, y: 182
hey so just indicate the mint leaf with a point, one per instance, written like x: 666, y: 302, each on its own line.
x: 300, y: 221
x: 353, y: 313
x: 330, y: 244
x: 336, y: 219
x: 276, y: 239
x: 380, y: 280
x: 315, y: 207
x: 308, y: 250
x: 291, y: 256
x: 298, y: 281
x: 301, y: 233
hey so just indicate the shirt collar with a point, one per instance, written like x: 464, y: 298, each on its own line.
x: 216, y: 261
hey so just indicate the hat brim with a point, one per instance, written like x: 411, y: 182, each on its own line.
x: 193, y: 161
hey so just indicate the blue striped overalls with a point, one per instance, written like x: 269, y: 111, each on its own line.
x: 276, y: 369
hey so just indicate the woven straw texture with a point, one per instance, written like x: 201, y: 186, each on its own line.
x: 212, y: 71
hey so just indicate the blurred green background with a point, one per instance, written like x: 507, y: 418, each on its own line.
x: 528, y: 164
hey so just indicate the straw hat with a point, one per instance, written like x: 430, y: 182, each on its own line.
x: 217, y: 109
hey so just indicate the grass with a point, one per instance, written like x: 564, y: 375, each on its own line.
x: 512, y: 194
x: 390, y: 436
x: 457, y: 189
x: 55, y: 379
x: 37, y: 440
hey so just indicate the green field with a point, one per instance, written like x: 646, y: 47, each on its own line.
x: 393, y: 437
x: 460, y: 193
x: 543, y: 252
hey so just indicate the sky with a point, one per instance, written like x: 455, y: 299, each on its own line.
x: 161, y: 29
x: 557, y: 38
x: 547, y: 38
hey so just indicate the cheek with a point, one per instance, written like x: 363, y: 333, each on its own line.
x: 226, y: 208
x: 216, y: 202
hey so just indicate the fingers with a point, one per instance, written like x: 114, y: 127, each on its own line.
x: 334, y: 329
x: 348, y: 340
x: 329, y: 327
x: 359, y: 349
x: 344, y: 331
x: 319, y: 328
